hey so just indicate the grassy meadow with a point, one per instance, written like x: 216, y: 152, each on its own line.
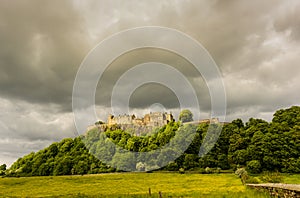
x: 127, y: 185
x: 292, y: 179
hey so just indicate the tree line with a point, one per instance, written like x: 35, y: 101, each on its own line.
x: 257, y: 145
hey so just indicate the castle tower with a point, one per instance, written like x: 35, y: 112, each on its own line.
x: 111, y: 120
x: 169, y: 117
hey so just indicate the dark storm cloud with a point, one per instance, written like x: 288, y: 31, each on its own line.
x: 42, y: 45
x: 156, y: 93
x: 137, y: 57
x: 258, y: 60
x: 42, y: 50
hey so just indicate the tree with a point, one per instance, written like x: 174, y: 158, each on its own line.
x: 190, y: 161
x: 80, y: 168
x: 3, y: 167
x: 63, y: 167
x: 124, y: 161
x: 186, y: 116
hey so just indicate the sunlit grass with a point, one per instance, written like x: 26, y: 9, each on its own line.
x: 128, y: 185
x: 292, y: 179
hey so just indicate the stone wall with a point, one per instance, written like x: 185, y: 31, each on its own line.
x: 207, y: 121
x: 279, y: 190
x: 138, y: 126
x: 156, y: 119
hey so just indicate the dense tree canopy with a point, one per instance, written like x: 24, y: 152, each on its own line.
x: 69, y: 156
x: 186, y: 116
x: 256, y: 145
x: 2, y: 169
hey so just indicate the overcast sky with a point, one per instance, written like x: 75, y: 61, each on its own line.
x: 256, y: 45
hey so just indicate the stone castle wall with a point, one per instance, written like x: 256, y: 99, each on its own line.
x: 156, y: 119
x: 138, y: 126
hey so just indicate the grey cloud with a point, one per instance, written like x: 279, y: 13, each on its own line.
x: 22, y: 120
x: 26, y: 127
x: 241, y: 37
x: 288, y: 19
x: 46, y: 50
x: 255, y: 44
x: 12, y: 149
x: 43, y: 44
x: 136, y: 57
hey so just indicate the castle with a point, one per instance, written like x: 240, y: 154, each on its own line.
x: 144, y: 125
x: 156, y: 119
x: 137, y: 126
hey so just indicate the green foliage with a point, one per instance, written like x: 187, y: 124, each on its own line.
x: 243, y: 174
x: 253, y: 180
x: 181, y: 171
x: 291, y: 178
x: 208, y: 170
x: 186, y: 116
x: 271, y: 177
x: 217, y: 170
x: 2, y: 169
x: 289, y: 116
x: 121, y: 160
x: 254, y: 166
x: 67, y: 157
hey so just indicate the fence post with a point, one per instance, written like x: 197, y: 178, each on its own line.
x: 160, y: 195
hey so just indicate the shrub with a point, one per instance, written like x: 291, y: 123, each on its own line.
x: 217, y: 170
x: 253, y: 180
x: 140, y: 166
x: 243, y: 174
x: 150, y: 168
x: 202, y: 171
x: 271, y: 177
x: 181, y: 171
x: 233, y: 167
x: 2, y: 172
x: 173, y: 166
x: 208, y: 170
x: 254, y: 166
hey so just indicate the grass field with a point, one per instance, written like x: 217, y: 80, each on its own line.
x: 292, y: 179
x: 127, y: 185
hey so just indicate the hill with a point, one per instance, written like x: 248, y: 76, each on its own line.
x: 257, y: 145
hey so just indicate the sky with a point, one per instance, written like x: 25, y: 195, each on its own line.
x: 255, y: 44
